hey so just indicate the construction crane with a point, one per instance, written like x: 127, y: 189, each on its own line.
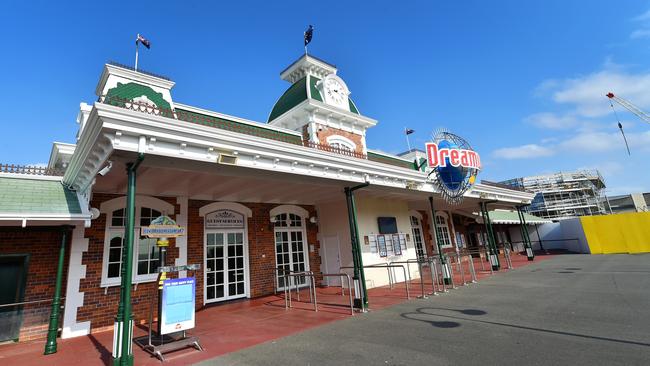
x: 629, y: 106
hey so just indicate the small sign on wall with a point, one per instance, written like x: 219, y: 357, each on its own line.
x: 224, y: 219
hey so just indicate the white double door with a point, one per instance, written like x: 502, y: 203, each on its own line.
x: 226, y: 265
x: 290, y: 256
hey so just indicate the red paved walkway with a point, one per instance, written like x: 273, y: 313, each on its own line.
x: 228, y: 327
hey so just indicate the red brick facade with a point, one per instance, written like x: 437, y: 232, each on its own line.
x: 42, y: 246
x: 100, y: 303
x: 324, y: 132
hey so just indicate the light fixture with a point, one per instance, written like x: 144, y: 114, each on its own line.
x: 106, y: 169
x: 274, y: 219
x: 313, y: 220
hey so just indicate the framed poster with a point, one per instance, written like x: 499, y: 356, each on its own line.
x: 381, y: 243
x: 397, y: 247
x: 178, y: 297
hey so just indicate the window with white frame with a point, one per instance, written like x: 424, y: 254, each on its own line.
x: 443, y: 230
x: 342, y: 143
x: 145, y: 251
x: 416, y: 230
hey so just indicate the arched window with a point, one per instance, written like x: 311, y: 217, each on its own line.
x: 443, y: 230
x: 342, y: 143
x: 145, y: 251
x: 291, y: 253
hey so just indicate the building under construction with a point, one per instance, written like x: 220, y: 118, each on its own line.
x: 564, y: 195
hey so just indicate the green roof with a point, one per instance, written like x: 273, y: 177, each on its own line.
x: 130, y: 91
x: 297, y: 93
x: 23, y: 195
x: 511, y: 217
x: 291, y: 98
x: 390, y: 160
x: 248, y: 129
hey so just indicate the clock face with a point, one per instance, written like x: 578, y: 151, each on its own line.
x: 335, y: 92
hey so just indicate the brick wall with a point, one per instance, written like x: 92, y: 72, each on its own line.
x: 42, y: 244
x: 261, y: 246
x: 324, y: 132
x: 100, y: 304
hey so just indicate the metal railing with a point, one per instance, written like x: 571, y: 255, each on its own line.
x: 288, y: 275
x: 347, y: 276
x: 221, y: 123
x: 388, y: 267
x: 332, y: 149
x: 29, y: 170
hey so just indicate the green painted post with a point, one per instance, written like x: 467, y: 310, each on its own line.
x: 53, y: 328
x: 494, y: 257
x: 524, y: 230
x: 359, y: 276
x: 122, y: 352
x: 446, y: 275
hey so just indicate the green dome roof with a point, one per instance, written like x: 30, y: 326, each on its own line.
x: 299, y: 92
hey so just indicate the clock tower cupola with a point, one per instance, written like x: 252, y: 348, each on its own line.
x: 318, y: 104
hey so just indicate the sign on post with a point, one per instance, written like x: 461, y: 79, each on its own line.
x: 178, y: 299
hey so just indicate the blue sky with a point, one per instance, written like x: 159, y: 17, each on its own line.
x: 524, y: 82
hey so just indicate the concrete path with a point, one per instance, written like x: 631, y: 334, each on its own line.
x: 569, y: 310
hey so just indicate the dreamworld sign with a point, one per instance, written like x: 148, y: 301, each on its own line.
x: 454, y: 163
x: 456, y: 157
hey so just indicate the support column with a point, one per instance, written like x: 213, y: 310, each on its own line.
x: 446, y: 271
x: 524, y: 234
x: 53, y: 328
x: 359, y: 276
x: 494, y: 257
x: 123, y: 329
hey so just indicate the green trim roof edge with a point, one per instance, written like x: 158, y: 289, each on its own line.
x: 234, y: 126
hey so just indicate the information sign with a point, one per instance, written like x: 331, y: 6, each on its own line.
x: 178, y: 299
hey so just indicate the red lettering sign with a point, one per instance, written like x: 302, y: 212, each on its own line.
x: 457, y: 157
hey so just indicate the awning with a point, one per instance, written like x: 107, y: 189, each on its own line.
x: 39, y: 200
x: 511, y: 217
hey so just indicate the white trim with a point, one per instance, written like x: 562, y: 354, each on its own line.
x: 291, y: 209
x: 444, y: 216
x: 107, y: 208
x: 341, y: 140
x: 416, y: 214
x: 74, y: 298
x: 234, y: 206
x: 31, y: 176
x: 296, y: 210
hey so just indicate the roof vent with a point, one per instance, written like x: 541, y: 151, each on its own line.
x: 227, y: 159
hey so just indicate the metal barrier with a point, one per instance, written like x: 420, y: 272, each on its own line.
x: 506, y: 253
x: 408, y: 267
x: 388, y: 267
x: 287, y: 289
x: 343, y: 275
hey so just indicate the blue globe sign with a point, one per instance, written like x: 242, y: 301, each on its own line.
x: 454, y: 163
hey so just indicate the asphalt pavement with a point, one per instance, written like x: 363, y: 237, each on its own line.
x: 568, y: 310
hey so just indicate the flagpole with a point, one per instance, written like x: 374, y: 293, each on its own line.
x: 137, y: 43
x: 408, y: 143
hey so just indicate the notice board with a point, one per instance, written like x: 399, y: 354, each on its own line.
x: 178, y: 298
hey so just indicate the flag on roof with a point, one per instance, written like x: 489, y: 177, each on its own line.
x: 408, y: 131
x: 145, y: 42
x: 308, y: 34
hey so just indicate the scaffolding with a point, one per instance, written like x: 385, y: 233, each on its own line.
x: 564, y: 195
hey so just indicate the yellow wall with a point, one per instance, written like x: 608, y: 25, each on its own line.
x: 620, y: 233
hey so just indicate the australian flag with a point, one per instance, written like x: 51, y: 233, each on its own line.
x: 308, y: 34
x: 145, y: 42
x: 408, y: 131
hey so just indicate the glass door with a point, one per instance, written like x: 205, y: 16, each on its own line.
x: 290, y: 249
x: 224, y: 266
